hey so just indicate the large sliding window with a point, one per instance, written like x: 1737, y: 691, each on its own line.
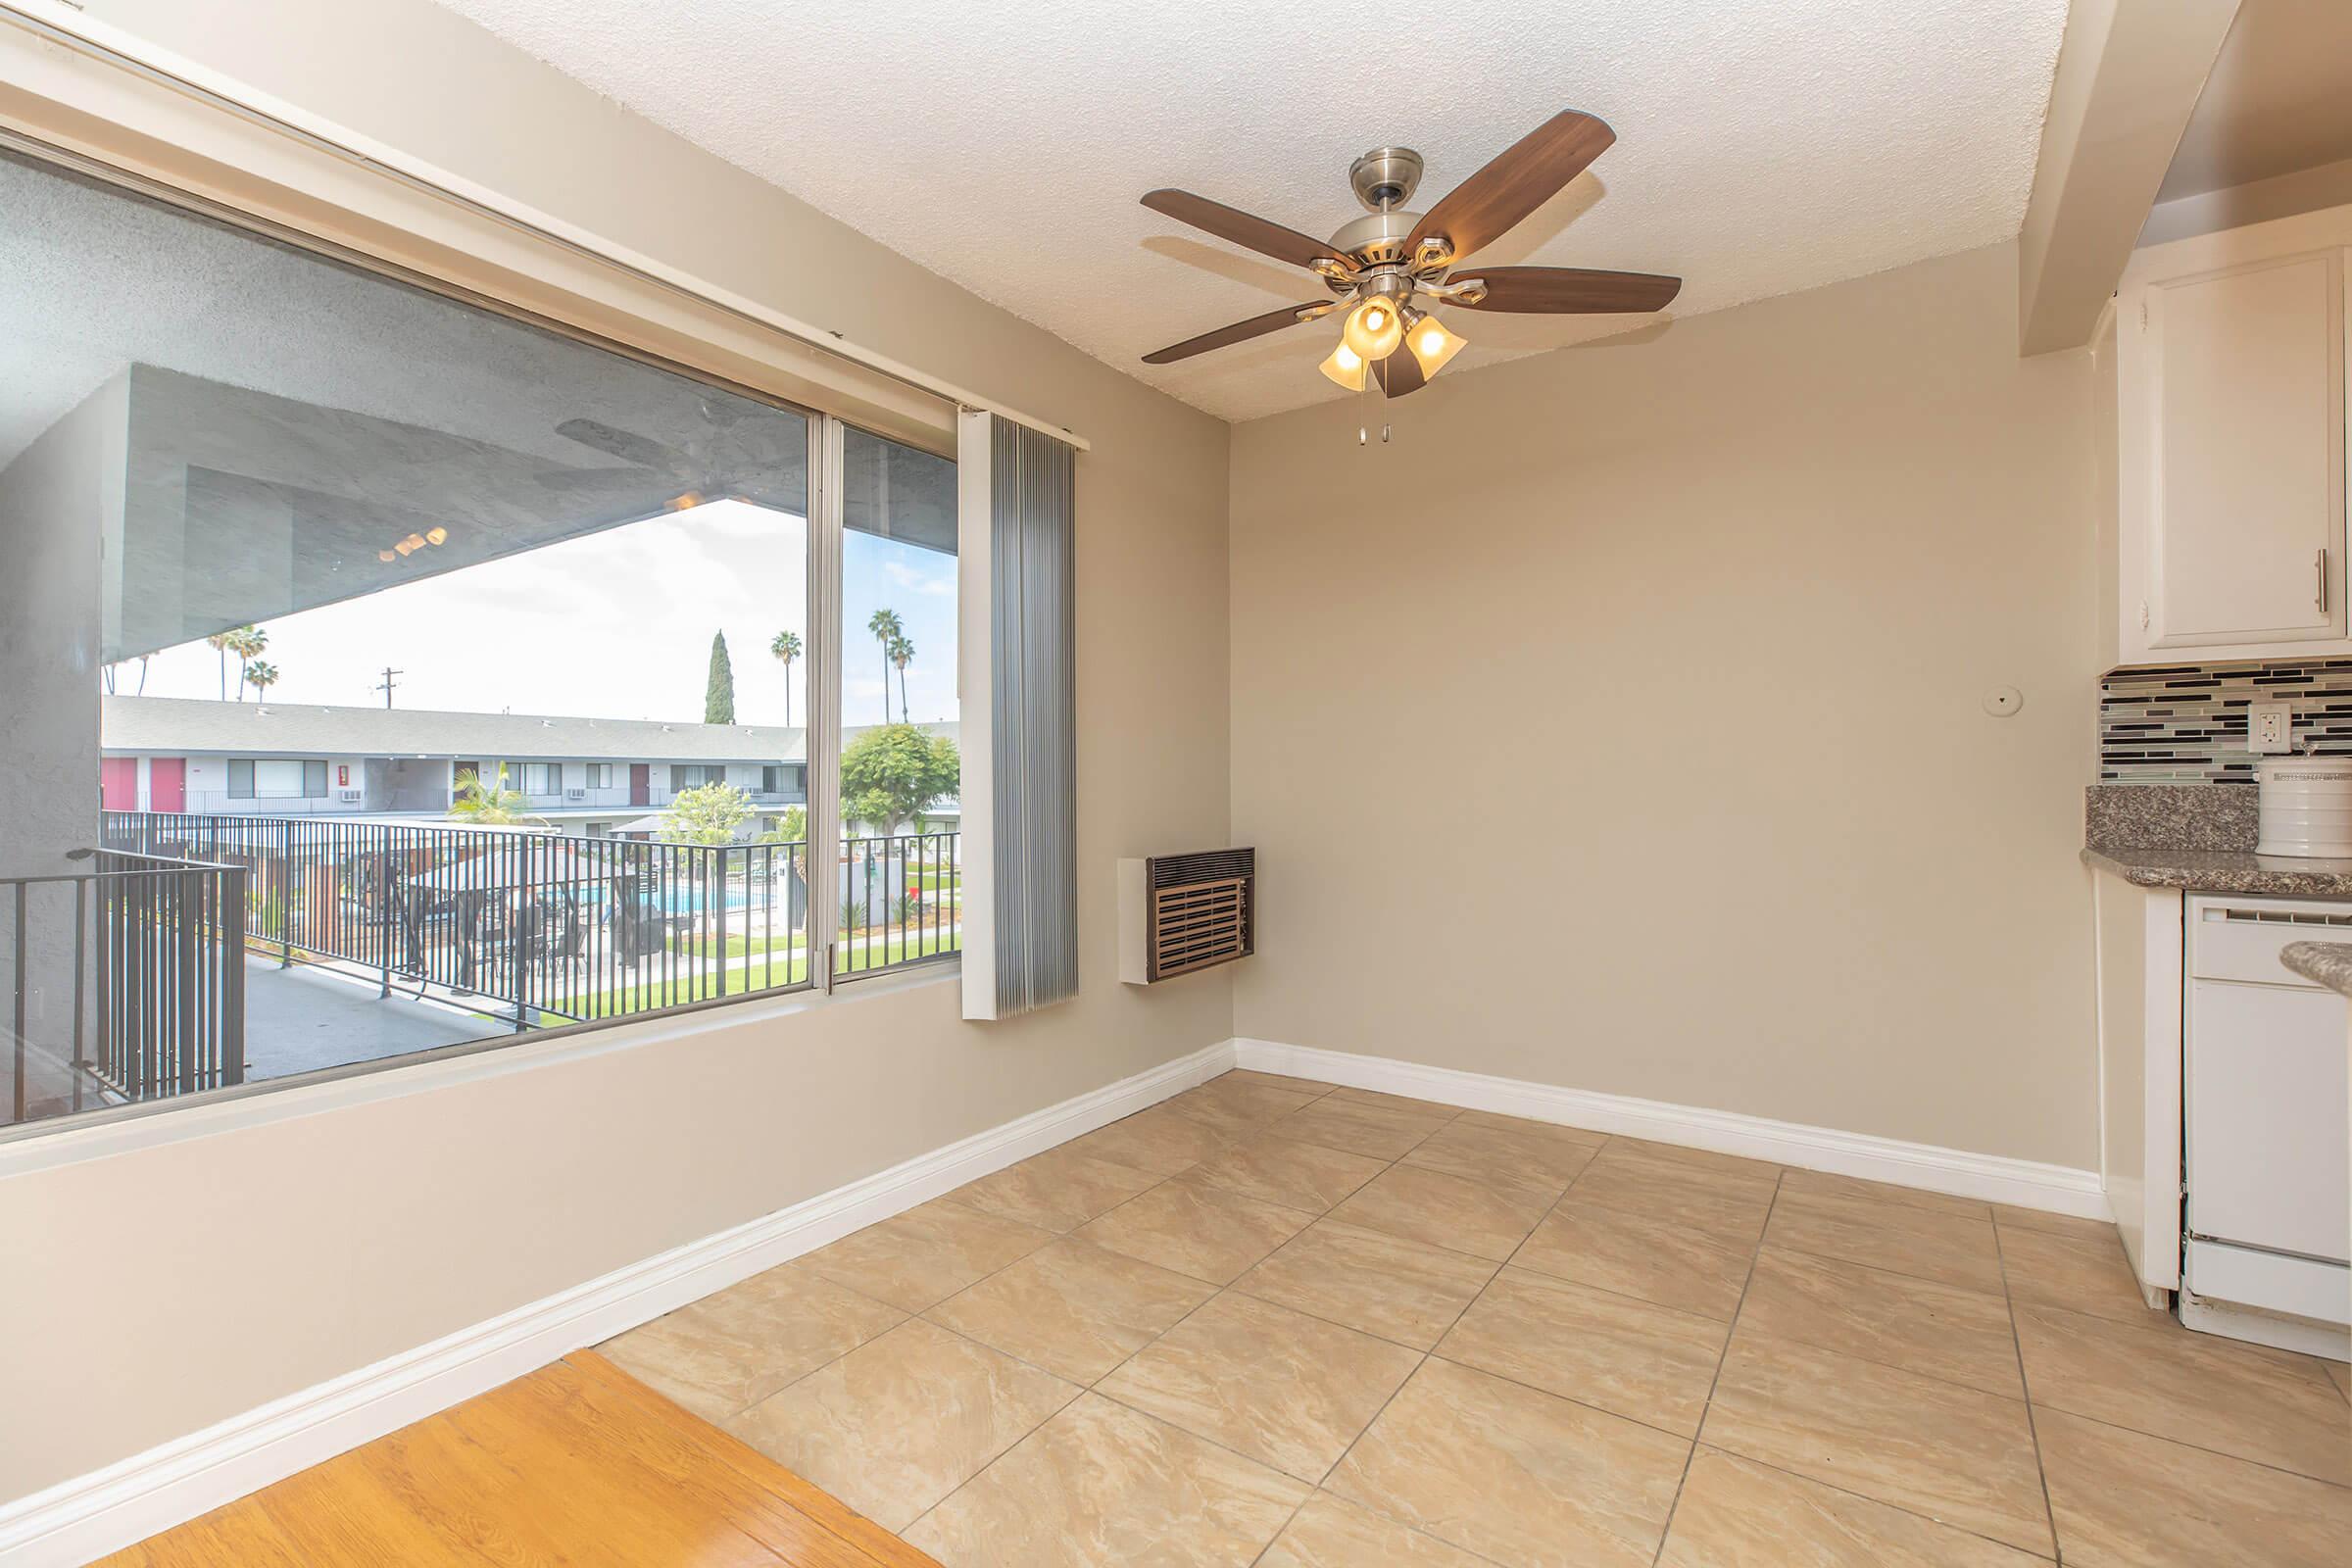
x: 546, y: 614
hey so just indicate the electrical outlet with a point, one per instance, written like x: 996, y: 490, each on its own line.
x: 2269, y: 726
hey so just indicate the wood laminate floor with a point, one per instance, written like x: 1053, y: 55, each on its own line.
x: 578, y: 1463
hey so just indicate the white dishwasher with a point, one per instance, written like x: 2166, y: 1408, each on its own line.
x: 2268, y: 1154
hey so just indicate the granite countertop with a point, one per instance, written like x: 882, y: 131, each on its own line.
x: 2226, y: 871
x: 2327, y: 963
x: 2198, y: 838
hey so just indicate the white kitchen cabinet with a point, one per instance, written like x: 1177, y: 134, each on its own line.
x: 2230, y: 438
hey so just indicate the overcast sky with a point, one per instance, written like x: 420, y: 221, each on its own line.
x: 613, y: 626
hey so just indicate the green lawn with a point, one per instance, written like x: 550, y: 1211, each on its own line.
x: 790, y: 968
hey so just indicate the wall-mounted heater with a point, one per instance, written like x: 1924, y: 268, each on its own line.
x: 1182, y: 912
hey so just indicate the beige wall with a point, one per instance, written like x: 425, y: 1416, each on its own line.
x: 146, y: 1294
x: 1616, y: 725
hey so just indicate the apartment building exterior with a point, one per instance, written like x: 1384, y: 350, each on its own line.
x: 583, y: 775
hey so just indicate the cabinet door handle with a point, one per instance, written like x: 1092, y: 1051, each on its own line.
x: 2319, y: 564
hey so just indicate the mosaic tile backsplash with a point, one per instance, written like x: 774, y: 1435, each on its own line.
x: 2187, y: 724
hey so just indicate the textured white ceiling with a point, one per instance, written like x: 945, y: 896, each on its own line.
x: 1764, y: 146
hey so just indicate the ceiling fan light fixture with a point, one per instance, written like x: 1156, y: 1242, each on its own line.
x: 1431, y: 344
x: 1374, y: 328
x: 1346, y: 367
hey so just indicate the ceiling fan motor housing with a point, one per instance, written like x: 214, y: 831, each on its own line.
x: 1377, y: 239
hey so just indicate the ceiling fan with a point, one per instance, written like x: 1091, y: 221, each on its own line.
x: 1378, y: 264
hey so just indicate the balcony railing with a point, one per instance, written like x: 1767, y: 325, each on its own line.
x: 124, y: 981
x: 553, y: 929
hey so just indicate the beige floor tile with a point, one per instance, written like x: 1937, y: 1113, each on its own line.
x: 1483, y: 1218
x: 2081, y: 1273
x: 1834, y: 1185
x: 1531, y: 1159
x: 926, y: 1254
x: 736, y: 1346
x: 1613, y: 1249
x: 1158, y: 1140
x: 1237, y: 1105
x: 2035, y: 1219
x: 1919, y: 1443
x: 1405, y: 1290
x: 1724, y: 1208
x: 1527, y: 1478
x: 1706, y: 1160
x: 1649, y: 1363
x: 1954, y: 1248
x: 1735, y: 1513
x: 900, y: 1422
x: 1527, y: 1124
x: 2124, y: 1499
x: 1073, y: 1308
x: 2267, y: 1405
x: 2341, y: 1376
x: 1285, y: 1389
x: 1383, y: 1132
x: 1277, y: 1080
x: 1333, y: 1532
x: 1101, y: 1485
x: 1941, y: 1330
x: 1286, y: 1171
x: 1058, y: 1190
x: 1196, y: 1229
x: 1385, y: 1101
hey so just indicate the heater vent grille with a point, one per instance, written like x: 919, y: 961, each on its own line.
x: 1202, y: 910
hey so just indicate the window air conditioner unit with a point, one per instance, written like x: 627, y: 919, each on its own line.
x: 351, y: 797
x: 575, y: 795
x: 1182, y: 912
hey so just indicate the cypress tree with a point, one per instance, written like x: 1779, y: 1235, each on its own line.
x: 719, y: 692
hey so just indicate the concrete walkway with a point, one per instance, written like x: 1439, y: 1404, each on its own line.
x: 305, y: 1018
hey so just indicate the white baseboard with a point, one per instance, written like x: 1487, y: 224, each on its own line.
x: 91, y: 1515
x: 2028, y: 1184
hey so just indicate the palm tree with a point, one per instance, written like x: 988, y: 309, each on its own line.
x: 247, y: 642
x: 221, y: 640
x: 490, y: 805
x: 901, y: 654
x: 785, y: 648
x: 260, y: 677
x: 884, y: 624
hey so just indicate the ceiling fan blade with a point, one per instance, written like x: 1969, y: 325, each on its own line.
x: 623, y: 444
x: 1238, y: 333
x: 1399, y: 375
x: 1522, y: 178
x: 1244, y: 228
x: 1568, y: 290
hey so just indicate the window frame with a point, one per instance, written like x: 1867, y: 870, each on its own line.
x: 698, y: 330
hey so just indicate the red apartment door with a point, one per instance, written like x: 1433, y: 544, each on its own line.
x: 119, y: 783
x: 641, y: 783
x: 167, y: 784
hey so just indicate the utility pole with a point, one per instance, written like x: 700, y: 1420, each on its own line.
x: 385, y: 685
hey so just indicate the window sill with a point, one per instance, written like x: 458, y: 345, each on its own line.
x: 126, y: 1129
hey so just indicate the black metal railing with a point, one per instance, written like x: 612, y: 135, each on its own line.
x: 125, y: 981
x: 902, y: 901
x: 550, y: 929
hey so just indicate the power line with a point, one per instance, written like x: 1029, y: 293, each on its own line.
x: 386, y: 684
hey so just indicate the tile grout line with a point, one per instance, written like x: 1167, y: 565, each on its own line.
x: 2041, y: 1469
x: 1707, y: 1405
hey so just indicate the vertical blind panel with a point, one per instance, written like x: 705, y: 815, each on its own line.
x: 1034, y: 689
